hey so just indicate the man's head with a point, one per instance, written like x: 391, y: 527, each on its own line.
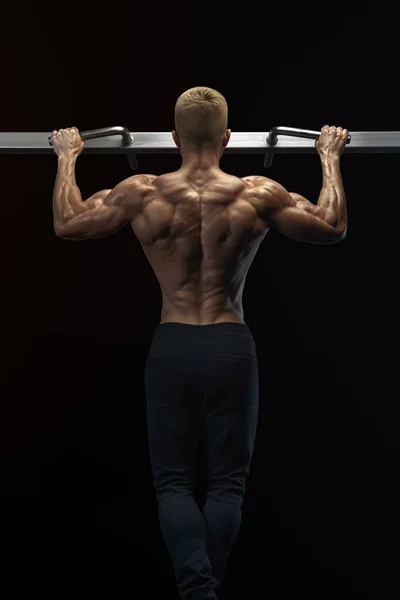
x: 201, y: 119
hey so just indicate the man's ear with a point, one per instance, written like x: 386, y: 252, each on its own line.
x: 176, y: 138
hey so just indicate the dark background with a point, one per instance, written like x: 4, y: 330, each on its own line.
x: 79, y: 516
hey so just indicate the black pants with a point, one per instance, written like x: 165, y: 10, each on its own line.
x: 201, y: 387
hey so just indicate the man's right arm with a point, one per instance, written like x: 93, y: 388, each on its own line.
x: 296, y: 217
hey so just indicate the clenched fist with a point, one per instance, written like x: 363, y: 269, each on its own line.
x: 67, y: 141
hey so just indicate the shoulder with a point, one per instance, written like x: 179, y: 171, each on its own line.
x: 264, y: 194
x: 259, y: 181
x: 264, y: 186
x: 137, y: 181
x: 129, y: 193
x: 135, y: 188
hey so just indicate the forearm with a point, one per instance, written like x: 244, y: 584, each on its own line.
x: 67, y: 199
x: 332, y: 198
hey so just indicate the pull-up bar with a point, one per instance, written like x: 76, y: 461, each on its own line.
x: 279, y: 140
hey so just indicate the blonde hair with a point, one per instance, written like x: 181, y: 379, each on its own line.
x: 201, y: 117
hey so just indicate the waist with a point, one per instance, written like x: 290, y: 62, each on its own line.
x: 179, y: 335
x: 207, y: 328
x: 201, y: 317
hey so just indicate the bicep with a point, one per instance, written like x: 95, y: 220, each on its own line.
x: 297, y: 218
x: 107, y: 211
x: 97, y: 221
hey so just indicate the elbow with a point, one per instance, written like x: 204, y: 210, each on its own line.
x: 341, y: 232
x: 66, y: 232
x: 59, y: 228
x: 60, y: 233
x: 337, y: 236
x: 340, y: 237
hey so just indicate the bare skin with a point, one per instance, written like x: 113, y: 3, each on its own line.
x: 200, y: 232
x: 200, y: 228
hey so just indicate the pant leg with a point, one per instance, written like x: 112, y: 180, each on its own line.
x: 174, y: 424
x: 231, y: 411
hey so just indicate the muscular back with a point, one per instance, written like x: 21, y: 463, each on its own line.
x: 200, y: 236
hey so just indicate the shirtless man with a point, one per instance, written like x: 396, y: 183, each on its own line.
x: 200, y: 229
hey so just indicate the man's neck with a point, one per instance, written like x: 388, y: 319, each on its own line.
x: 207, y: 160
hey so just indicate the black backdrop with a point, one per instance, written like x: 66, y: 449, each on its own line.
x: 320, y: 517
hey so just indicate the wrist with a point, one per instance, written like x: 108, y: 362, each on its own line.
x: 330, y: 158
x: 67, y: 157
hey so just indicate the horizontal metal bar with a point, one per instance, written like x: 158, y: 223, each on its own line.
x: 362, y: 142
